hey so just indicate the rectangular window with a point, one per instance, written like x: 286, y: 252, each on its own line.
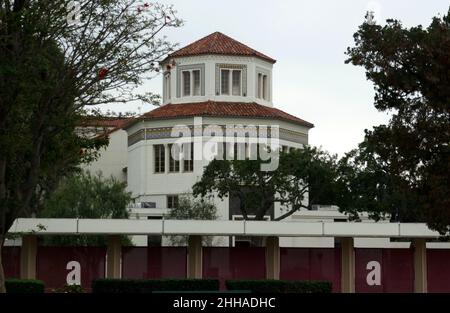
x: 225, y: 82
x: 236, y: 83
x: 186, y: 83
x: 159, y: 158
x: 188, y: 154
x: 259, y: 91
x: 167, y: 87
x: 264, y: 88
x: 285, y: 149
x: 174, y: 158
x: 172, y: 202
x: 196, y: 78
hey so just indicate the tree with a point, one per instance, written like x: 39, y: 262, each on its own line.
x: 192, y: 209
x: 52, y: 68
x: 86, y: 196
x: 300, y: 171
x: 410, y: 68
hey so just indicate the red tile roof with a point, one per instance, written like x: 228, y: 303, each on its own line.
x: 113, y: 122
x: 219, y: 109
x: 218, y: 43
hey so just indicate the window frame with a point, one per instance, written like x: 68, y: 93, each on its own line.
x: 172, y: 201
x: 188, y: 165
x: 167, y: 85
x: 174, y: 165
x: 159, y: 166
x: 230, y: 81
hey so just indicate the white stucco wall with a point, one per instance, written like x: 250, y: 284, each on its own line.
x: 113, y: 158
x: 210, y: 62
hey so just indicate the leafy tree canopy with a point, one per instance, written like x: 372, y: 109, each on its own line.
x: 192, y: 209
x: 86, y: 196
x: 403, y: 168
x: 300, y: 171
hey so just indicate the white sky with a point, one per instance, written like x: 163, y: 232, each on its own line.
x: 308, y: 39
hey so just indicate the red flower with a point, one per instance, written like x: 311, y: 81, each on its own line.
x: 102, y: 73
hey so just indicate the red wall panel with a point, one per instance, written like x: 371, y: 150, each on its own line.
x: 52, y: 264
x: 234, y: 263
x: 11, y: 261
x: 438, y: 262
x: 394, y: 266
x: 311, y: 264
x: 154, y: 262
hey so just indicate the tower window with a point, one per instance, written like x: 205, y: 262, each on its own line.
x: 167, y: 87
x: 231, y: 82
x: 186, y: 83
x: 225, y: 82
x: 159, y: 158
x: 262, y: 91
x: 236, y: 83
x: 196, y: 78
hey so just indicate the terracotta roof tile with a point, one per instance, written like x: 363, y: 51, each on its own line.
x: 218, y: 43
x: 219, y: 109
x: 113, y: 122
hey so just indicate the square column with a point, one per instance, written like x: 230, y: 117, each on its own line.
x: 347, y: 265
x: 420, y: 265
x: 195, y: 257
x: 28, y: 255
x: 113, y: 257
x: 272, y: 258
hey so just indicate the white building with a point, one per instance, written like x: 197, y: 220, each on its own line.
x: 209, y: 85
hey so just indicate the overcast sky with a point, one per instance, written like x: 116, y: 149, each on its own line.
x: 308, y: 39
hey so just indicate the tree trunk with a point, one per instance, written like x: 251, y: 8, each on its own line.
x: 2, y: 273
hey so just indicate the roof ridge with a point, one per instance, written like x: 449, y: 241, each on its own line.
x: 220, y: 44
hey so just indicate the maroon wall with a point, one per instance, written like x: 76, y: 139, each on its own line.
x: 311, y: 264
x: 11, y: 261
x: 52, y: 262
x: 154, y: 262
x: 236, y: 263
x: 438, y: 263
x: 396, y: 269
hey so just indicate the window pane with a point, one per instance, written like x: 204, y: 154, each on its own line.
x: 172, y: 202
x: 167, y: 87
x: 159, y: 160
x: 188, y: 154
x: 196, y: 77
x: 236, y: 83
x: 264, y: 92
x: 174, y: 164
x: 259, y: 86
x: 225, y: 82
x: 186, y: 83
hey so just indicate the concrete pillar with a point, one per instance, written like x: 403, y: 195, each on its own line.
x: 347, y: 265
x: 113, y: 257
x: 195, y: 257
x: 272, y: 258
x: 420, y: 265
x: 28, y: 255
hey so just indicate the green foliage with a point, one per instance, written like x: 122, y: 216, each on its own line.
x: 279, y: 286
x: 299, y: 171
x: 69, y: 289
x: 149, y: 286
x: 51, y: 70
x: 192, y: 209
x: 86, y: 196
x: 24, y: 286
x: 403, y: 168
